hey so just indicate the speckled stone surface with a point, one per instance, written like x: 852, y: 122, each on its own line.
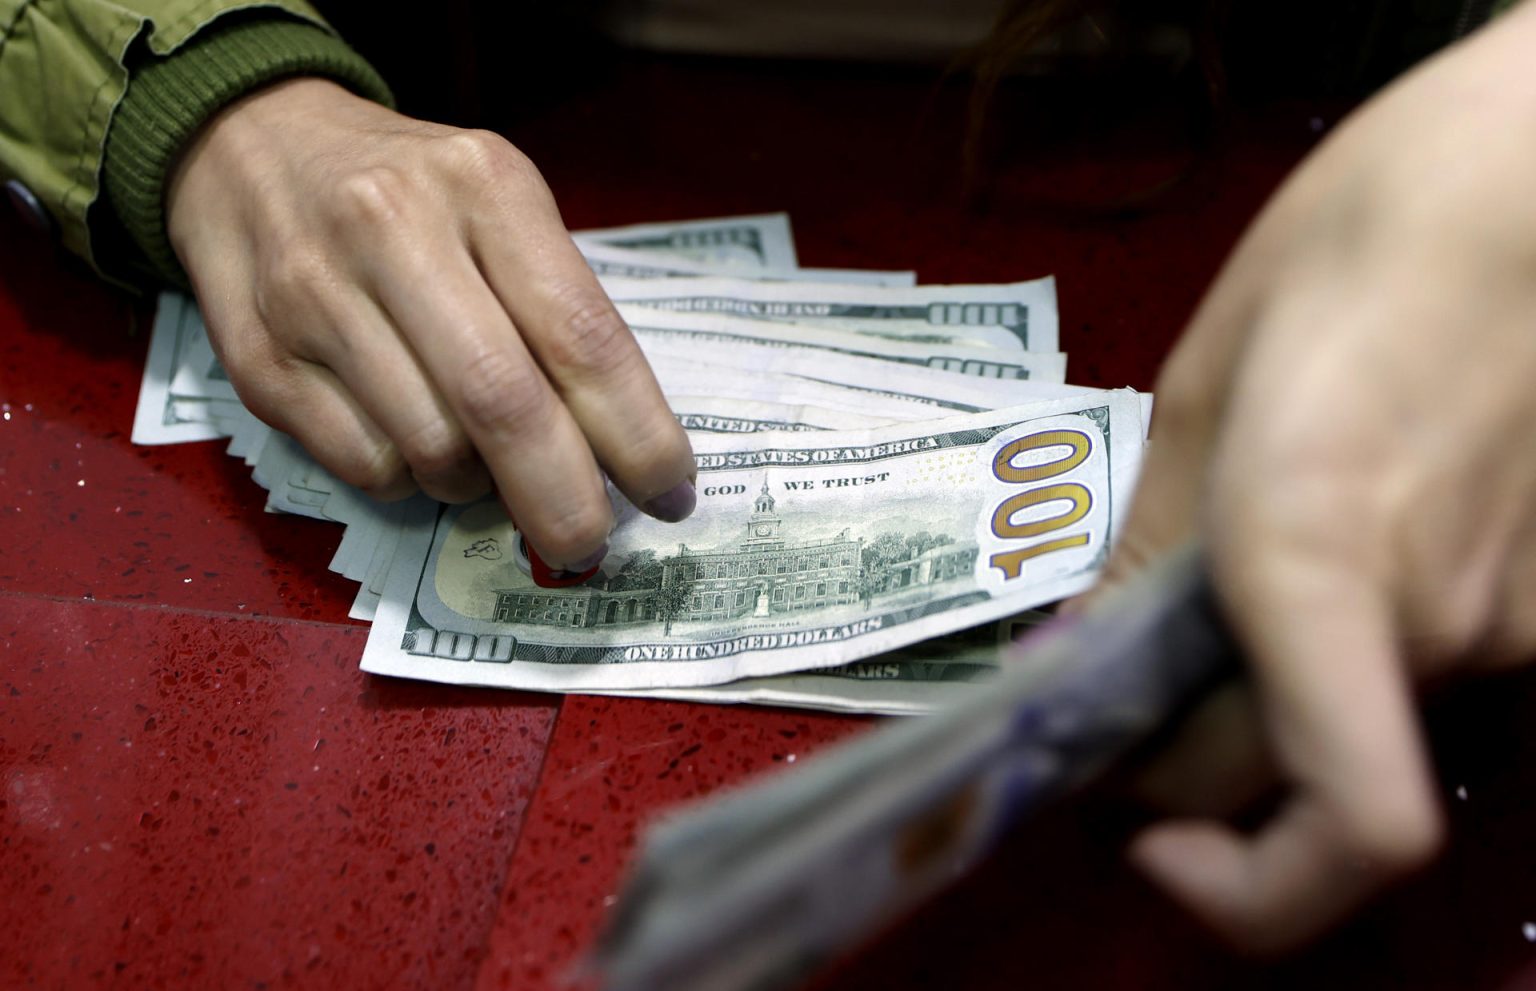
x: 610, y: 765
x: 199, y: 789
x: 196, y: 800
x: 84, y: 513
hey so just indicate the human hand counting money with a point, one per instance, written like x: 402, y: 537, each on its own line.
x: 403, y: 298
x: 1347, y: 426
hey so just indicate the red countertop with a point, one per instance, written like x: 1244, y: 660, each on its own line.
x: 198, y: 788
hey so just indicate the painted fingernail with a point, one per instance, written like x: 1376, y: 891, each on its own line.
x: 585, y: 564
x: 675, y: 504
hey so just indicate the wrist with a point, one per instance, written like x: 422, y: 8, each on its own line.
x: 170, y: 100
x: 234, y: 144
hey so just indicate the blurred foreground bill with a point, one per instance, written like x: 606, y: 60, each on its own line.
x: 761, y: 888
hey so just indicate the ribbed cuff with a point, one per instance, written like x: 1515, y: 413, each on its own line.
x: 169, y: 98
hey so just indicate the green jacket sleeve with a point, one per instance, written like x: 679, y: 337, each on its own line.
x: 65, y: 94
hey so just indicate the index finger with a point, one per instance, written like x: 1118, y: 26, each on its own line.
x: 543, y: 468
x: 588, y: 354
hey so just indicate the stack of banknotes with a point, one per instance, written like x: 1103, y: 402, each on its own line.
x: 891, y: 476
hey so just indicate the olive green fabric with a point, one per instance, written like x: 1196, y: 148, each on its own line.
x: 169, y: 98
x: 64, y: 70
x: 65, y: 67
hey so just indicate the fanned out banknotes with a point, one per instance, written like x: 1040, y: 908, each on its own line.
x: 891, y: 476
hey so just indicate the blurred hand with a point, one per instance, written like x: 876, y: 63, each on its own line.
x: 403, y: 298
x: 1349, y: 425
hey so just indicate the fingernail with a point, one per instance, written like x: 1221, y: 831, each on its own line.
x: 675, y: 504
x: 585, y: 564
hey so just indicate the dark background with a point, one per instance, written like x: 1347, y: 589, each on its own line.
x: 484, y: 64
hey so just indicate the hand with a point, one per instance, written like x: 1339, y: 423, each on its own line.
x: 1348, y: 427
x: 403, y: 298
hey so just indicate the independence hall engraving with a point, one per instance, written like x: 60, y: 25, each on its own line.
x: 761, y: 575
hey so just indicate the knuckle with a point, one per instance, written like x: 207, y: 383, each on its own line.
x: 1512, y: 641
x: 376, y: 468
x: 1447, y: 631
x: 268, y: 383
x: 264, y: 402
x: 292, y: 282
x: 589, y: 335
x: 1182, y: 411
x: 1394, y: 842
x: 239, y: 345
x: 467, y: 485
x: 435, y: 449
x: 499, y: 392
x: 1258, y: 933
x: 373, y: 197
x: 485, y: 154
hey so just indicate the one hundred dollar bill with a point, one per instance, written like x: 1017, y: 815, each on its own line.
x: 908, y: 681
x: 756, y: 241
x: 610, y: 262
x: 721, y: 415
x: 886, y: 685
x: 807, y: 550
x: 900, y: 686
x: 745, y: 338
x: 159, y: 419
x: 680, y: 372
x: 1020, y: 315
x: 199, y: 389
x: 857, y: 378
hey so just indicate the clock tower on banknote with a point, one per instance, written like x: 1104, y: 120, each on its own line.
x: 764, y: 525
